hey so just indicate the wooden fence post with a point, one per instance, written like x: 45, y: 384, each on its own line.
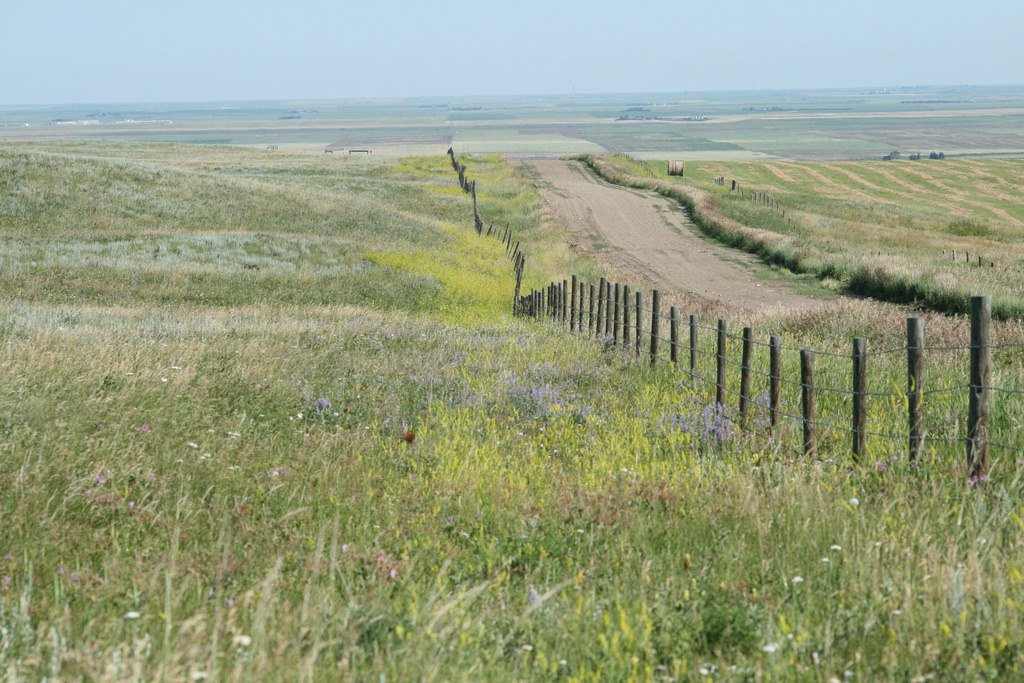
x: 590, y: 310
x: 720, y: 367
x: 981, y: 371
x: 655, y: 324
x: 639, y: 323
x: 565, y: 300
x: 673, y: 335
x: 617, y: 320
x: 748, y: 341
x: 774, y: 378
x: 915, y: 377
x: 693, y: 347
x: 807, y: 401
x: 599, y: 330
x: 608, y: 309
x: 573, y: 302
x: 579, y: 307
x: 860, y: 385
x: 625, y: 317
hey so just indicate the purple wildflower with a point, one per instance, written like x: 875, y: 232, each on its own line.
x: 533, y: 597
x: 100, y: 479
x: 144, y: 428
x: 881, y: 467
x: 977, y: 479
x: 322, y: 404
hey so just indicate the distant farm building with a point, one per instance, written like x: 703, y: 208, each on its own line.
x: 338, y: 148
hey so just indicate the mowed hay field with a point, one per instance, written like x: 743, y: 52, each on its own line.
x: 885, y: 229
x: 268, y: 417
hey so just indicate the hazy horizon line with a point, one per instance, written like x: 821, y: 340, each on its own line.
x: 623, y: 93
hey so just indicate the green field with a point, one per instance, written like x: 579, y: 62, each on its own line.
x: 267, y: 416
x: 863, y: 123
x: 876, y: 228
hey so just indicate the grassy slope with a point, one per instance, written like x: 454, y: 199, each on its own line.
x: 165, y: 451
x: 880, y: 229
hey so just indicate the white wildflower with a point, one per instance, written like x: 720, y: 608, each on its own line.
x: 242, y: 640
x: 770, y: 648
x: 132, y: 616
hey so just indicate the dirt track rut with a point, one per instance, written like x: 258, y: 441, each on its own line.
x: 643, y: 234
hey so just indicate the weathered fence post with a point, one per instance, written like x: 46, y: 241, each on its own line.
x: 590, y: 309
x: 808, y: 404
x: 599, y: 330
x: 520, y: 263
x: 693, y: 347
x: 608, y: 309
x: 639, y: 323
x: 625, y: 317
x: 774, y: 378
x: 565, y: 300
x: 981, y: 370
x: 655, y: 323
x: 673, y: 335
x: 915, y: 377
x: 617, y: 320
x: 572, y: 304
x: 860, y: 384
x: 579, y: 307
x: 720, y: 366
x: 748, y: 340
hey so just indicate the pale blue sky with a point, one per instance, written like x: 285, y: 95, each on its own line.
x: 55, y: 51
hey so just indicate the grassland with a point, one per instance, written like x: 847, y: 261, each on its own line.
x: 882, y: 229
x: 804, y: 125
x: 267, y: 416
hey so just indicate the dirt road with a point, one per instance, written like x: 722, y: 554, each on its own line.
x: 647, y: 236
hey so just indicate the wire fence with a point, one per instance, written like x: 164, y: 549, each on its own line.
x: 871, y: 404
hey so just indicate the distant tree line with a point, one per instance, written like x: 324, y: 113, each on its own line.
x: 916, y: 156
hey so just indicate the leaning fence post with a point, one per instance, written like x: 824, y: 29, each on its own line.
x: 981, y: 370
x: 616, y: 320
x: 807, y: 401
x: 673, y: 335
x: 860, y: 384
x: 775, y: 378
x: 915, y: 366
x: 655, y: 320
x: 720, y: 367
x: 639, y: 323
x: 625, y: 317
x: 590, y: 311
x: 693, y: 347
x: 748, y: 340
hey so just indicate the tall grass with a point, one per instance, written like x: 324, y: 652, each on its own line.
x: 257, y: 485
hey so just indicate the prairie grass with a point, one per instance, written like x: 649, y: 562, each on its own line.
x: 386, y: 476
x: 881, y: 229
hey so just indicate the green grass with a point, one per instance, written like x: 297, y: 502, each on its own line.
x: 877, y: 228
x: 248, y: 473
